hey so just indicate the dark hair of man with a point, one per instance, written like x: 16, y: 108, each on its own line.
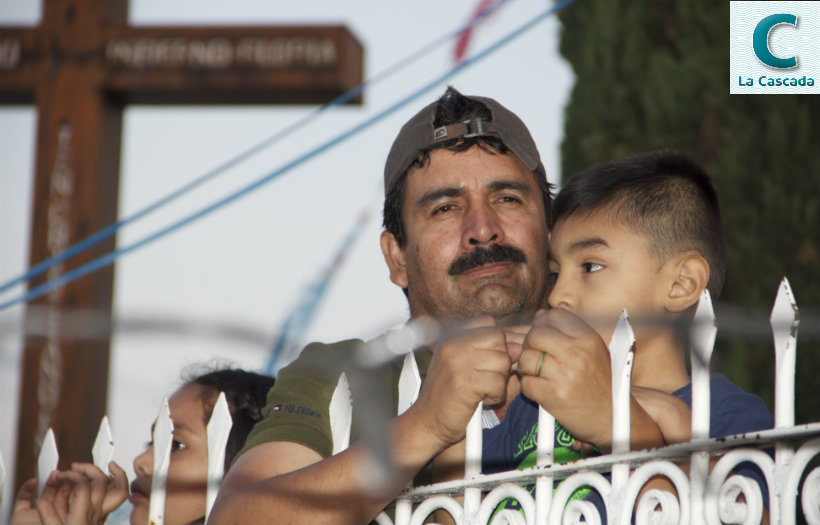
x: 246, y: 394
x: 451, y: 108
x: 662, y: 195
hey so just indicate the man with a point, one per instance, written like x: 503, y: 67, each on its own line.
x: 466, y: 227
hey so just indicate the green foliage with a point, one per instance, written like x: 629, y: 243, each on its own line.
x: 654, y: 74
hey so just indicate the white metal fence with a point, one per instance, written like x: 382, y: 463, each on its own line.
x: 702, y: 496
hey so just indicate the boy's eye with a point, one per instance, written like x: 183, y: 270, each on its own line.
x: 178, y: 445
x: 590, y: 267
x: 553, y: 278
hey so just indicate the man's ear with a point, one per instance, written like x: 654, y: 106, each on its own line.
x: 689, y: 274
x: 394, y: 257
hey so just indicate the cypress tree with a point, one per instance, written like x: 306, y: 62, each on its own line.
x: 653, y: 74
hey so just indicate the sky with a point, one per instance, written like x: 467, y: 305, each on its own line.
x: 245, y: 266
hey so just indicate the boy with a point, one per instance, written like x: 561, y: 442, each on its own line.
x: 643, y: 234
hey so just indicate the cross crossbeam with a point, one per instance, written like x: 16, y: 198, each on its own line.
x: 80, y: 67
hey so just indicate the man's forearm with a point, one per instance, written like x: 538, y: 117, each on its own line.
x: 329, y: 491
x: 332, y: 490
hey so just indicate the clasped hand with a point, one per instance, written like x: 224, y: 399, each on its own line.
x: 81, y: 495
x: 483, y: 362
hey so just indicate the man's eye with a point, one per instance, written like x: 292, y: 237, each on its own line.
x: 178, y: 445
x: 509, y: 198
x: 590, y: 267
x: 443, y: 209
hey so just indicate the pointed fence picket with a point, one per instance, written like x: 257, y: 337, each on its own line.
x: 703, y: 495
x: 703, y: 333
x: 103, y: 450
x: 218, y: 431
x: 341, y: 414
x: 162, y: 438
x: 46, y: 460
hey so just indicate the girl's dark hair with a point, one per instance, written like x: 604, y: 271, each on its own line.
x: 246, y: 394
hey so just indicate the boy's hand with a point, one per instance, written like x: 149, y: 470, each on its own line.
x: 586, y: 449
x: 672, y: 415
x: 574, y: 382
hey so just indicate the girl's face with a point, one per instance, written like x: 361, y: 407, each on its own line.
x: 188, y: 470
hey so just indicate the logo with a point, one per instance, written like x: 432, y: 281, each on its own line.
x: 774, y: 47
x: 298, y: 410
x: 760, y: 41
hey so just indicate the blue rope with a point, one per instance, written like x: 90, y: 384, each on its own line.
x: 88, y: 242
x: 109, y: 258
x: 289, y: 341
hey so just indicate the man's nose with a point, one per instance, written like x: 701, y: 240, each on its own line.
x: 482, y: 227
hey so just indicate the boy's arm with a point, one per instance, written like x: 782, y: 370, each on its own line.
x: 672, y: 415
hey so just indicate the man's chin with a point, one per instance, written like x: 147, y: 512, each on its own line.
x: 518, y: 317
x: 503, y: 306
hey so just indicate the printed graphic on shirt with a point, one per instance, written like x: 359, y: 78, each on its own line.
x: 562, y: 453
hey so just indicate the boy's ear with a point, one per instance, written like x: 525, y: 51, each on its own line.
x: 394, y: 257
x: 690, y: 275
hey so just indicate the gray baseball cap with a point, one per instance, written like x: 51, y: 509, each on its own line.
x: 419, y: 134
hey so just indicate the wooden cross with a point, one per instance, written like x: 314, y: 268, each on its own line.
x: 80, y: 67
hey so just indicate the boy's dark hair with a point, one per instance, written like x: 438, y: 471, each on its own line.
x: 663, y: 195
x: 454, y: 108
x: 246, y: 394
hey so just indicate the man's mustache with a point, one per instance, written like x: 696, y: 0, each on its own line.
x: 486, y: 255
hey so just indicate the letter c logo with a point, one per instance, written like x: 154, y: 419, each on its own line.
x: 760, y: 41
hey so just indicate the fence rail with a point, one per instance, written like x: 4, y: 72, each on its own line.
x: 703, y: 494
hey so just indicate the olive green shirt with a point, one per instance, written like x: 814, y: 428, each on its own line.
x: 297, y: 404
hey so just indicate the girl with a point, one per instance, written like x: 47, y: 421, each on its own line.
x: 85, y: 494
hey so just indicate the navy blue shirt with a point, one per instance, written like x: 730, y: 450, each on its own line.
x: 512, y: 444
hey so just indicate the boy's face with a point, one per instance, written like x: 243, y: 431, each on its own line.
x: 601, y: 267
